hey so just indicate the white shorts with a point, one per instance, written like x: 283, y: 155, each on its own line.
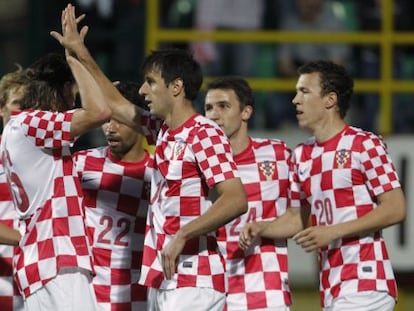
x: 185, y: 299
x: 70, y: 290
x: 363, y: 301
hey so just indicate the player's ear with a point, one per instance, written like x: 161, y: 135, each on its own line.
x: 247, y: 112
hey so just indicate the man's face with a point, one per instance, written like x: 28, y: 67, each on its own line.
x: 309, y: 103
x: 121, y: 138
x: 156, y: 93
x: 223, y: 107
x: 13, y: 103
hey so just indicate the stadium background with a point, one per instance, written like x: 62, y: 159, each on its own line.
x: 120, y: 39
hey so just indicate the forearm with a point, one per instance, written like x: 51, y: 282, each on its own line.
x: 284, y: 226
x: 228, y: 206
x: 9, y: 235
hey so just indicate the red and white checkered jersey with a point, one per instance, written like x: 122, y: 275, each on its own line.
x: 46, y: 190
x: 258, y: 277
x: 339, y: 179
x: 116, y: 201
x: 189, y: 160
x: 10, y: 299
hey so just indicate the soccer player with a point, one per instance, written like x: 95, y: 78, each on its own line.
x: 116, y: 183
x: 344, y: 177
x: 11, y: 91
x: 53, y: 261
x: 181, y: 263
x: 258, y: 277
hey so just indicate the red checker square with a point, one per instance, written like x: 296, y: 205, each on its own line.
x: 81, y: 247
x: 67, y: 260
x: 186, y: 280
x: 120, y: 276
x: 253, y: 191
x: 326, y: 178
x: 203, y: 266
x: 366, y: 285
x: 272, y: 280
x: 325, y: 279
x: 149, y: 255
x: 32, y: 273
x: 253, y: 264
x: 46, y: 249
x: 102, y: 257
x: 236, y: 284
x: 218, y: 282
x: 349, y: 272
x: 344, y: 197
x: 138, y: 292
x: 172, y: 224
x: 189, y: 206
x: 256, y: 300
x: 127, y: 204
x: 60, y: 226
x: 6, y: 268
x: 103, y: 293
x: 380, y: 271
x: 111, y: 182
x: 269, y: 210
x: 73, y: 206
x: 366, y: 252
x: 6, y: 303
x: 46, y: 212
x: 90, y: 197
x: 335, y: 257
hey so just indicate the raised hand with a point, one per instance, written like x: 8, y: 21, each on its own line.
x: 71, y: 39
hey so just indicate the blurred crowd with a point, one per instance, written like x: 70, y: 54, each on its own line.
x: 118, y: 44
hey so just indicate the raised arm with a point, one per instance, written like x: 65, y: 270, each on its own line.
x: 72, y: 41
x: 94, y: 111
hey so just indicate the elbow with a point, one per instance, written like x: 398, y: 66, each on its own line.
x: 104, y: 114
x: 401, y: 214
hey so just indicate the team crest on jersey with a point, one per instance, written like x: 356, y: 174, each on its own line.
x: 178, y: 150
x: 342, y: 159
x: 267, y: 169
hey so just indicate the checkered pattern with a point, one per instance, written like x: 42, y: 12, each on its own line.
x: 150, y: 126
x: 338, y: 179
x: 258, y: 278
x: 189, y: 160
x: 116, y: 201
x: 10, y: 299
x: 50, y: 209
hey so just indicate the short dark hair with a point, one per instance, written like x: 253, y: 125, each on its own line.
x: 130, y: 90
x: 333, y: 78
x: 240, y: 87
x: 174, y: 63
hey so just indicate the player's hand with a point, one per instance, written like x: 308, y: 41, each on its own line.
x: 313, y: 238
x: 169, y: 255
x: 248, y: 234
x: 70, y: 38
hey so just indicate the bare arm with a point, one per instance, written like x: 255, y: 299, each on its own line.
x: 9, y: 235
x: 283, y: 227
x: 230, y: 203
x: 72, y: 41
x: 94, y: 111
